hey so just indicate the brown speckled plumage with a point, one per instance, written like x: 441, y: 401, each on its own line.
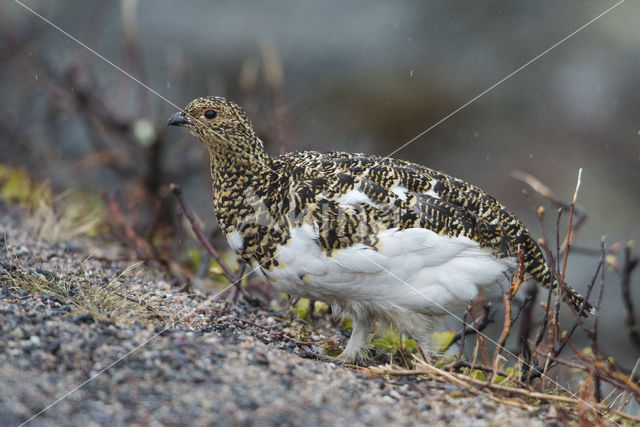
x: 262, y: 197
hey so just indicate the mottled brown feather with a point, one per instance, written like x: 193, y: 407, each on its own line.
x: 262, y: 197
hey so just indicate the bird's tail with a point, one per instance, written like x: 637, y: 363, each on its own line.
x: 536, y: 265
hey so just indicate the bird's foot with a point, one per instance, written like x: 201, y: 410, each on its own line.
x: 343, y: 360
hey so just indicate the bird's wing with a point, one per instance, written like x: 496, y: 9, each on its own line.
x: 354, y: 203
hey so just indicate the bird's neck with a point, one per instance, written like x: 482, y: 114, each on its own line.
x: 240, y: 174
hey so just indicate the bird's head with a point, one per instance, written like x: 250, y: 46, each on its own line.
x: 220, y: 125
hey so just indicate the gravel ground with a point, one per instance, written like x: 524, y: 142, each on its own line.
x: 144, y: 353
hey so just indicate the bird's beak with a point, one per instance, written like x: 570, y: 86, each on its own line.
x: 178, y: 119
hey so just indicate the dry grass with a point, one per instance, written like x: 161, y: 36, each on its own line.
x: 501, y: 390
x: 68, y: 215
x: 124, y: 300
x: 55, y: 218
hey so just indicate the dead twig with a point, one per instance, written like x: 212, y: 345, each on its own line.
x: 518, y: 279
x: 480, y: 338
x: 557, y: 349
x: 606, y: 371
x: 467, y: 383
x: 545, y: 192
x: 572, y: 210
x: 628, y: 264
x: 480, y: 323
x: 594, y: 332
x: 526, y: 310
x: 235, y: 278
x: 561, y: 272
x: 476, y: 386
x: 458, y: 364
x: 188, y: 213
x: 142, y: 248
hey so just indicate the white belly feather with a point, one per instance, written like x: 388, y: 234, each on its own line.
x: 414, y: 269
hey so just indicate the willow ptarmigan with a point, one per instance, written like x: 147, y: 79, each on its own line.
x: 376, y: 238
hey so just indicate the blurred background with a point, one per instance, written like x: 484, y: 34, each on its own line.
x: 333, y: 75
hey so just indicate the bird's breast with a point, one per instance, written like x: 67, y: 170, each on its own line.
x: 415, y: 268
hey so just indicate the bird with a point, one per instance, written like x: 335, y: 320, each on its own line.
x: 378, y: 239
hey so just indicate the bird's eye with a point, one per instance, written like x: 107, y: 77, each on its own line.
x: 210, y: 114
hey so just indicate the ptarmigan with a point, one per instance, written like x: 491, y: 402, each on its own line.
x: 376, y: 238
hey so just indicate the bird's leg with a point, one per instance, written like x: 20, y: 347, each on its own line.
x: 233, y: 294
x: 292, y: 302
x: 426, y: 343
x: 356, y: 343
x: 422, y: 330
x: 236, y: 281
x: 312, y: 308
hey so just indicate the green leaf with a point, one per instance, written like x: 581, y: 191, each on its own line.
x: 391, y: 340
x: 347, y: 323
x: 17, y: 186
x: 320, y: 308
x: 478, y: 375
x: 328, y: 348
x: 194, y: 257
x: 442, y: 340
x: 302, y: 308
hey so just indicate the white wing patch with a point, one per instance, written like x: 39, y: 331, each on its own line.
x: 400, y: 191
x: 235, y: 240
x: 355, y: 197
x: 432, y: 194
x: 312, y: 231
